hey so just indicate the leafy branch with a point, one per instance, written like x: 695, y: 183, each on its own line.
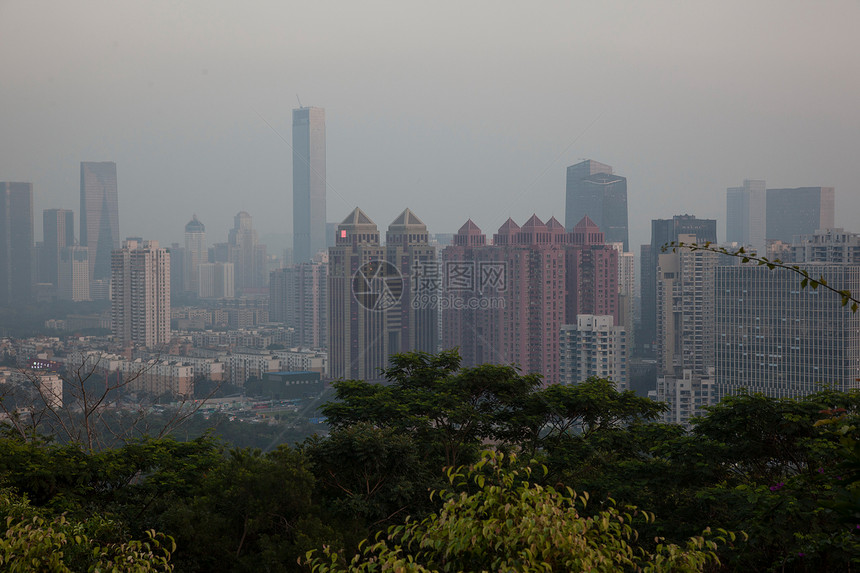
x: 752, y: 257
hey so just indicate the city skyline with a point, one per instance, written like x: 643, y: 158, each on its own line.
x: 205, y: 129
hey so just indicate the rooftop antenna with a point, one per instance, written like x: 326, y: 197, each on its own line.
x: 300, y: 101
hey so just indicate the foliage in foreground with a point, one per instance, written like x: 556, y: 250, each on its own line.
x: 510, y: 523
x: 36, y: 542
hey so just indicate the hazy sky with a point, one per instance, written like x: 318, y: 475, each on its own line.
x: 454, y: 109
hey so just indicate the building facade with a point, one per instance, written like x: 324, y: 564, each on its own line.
x: 826, y: 246
x: 74, y: 274
x: 593, y: 347
x: 216, y: 280
x: 298, y: 299
x: 370, y: 295
x: 663, y: 232
x: 247, y: 255
x: 309, y: 183
x: 16, y: 243
x: 140, y: 306
x: 196, y: 253
x: 799, y: 211
x: 99, y: 216
x: 782, y: 340
x: 594, y: 191
x: 746, y: 220
x: 685, y: 329
x: 58, y: 229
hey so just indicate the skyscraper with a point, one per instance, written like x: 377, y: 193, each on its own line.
x: 505, y: 302
x: 297, y: 298
x: 800, y: 211
x: 685, y: 331
x: 195, y: 253
x: 140, y: 306
x: 594, y: 191
x: 779, y: 339
x: 591, y: 271
x: 73, y: 276
x: 746, y: 219
x: 58, y: 227
x: 250, y: 255
x: 16, y: 242
x: 664, y: 231
x: 99, y: 216
x: 309, y: 183
x: 372, y: 308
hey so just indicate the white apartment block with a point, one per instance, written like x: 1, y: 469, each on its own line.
x: 140, y: 283
x: 593, y: 346
x: 686, y: 395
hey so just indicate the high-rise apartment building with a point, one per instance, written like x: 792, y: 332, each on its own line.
x: 593, y: 346
x: 591, y: 271
x: 140, y: 305
x: 746, y: 209
x: 216, y: 280
x: 826, y: 246
x: 99, y: 216
x: 309, y: 183
x: 58, y: 228
x: 799, y: 211
x: 594, y: 191
x: 663, y: 232
x: 373, y: 307
x: 297, y: 298
x: 774, y: 337
x: 685, y: 330
x: 16, y: 242
x: 626, y: 291
x: 505, y: 302
x: 685, y: 310
x: 195, y: 253
x: 73, y: 275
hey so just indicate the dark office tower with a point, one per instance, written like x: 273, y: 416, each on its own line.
x: 309, y: 223
x: 99, y: 215
x: 665, y: 231
x: 58, y: 226
x: 594, y: 191
x: 745, y: 215
x: 800, y: 211
x: 16, y: 242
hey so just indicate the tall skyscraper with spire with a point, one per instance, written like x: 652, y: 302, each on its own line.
x: 309, y: 209
x: 99, y: 216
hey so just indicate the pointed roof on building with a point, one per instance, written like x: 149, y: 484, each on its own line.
x: 586, y: 223
x: 533, y: 222
x: 357, y: 217
x: 509, y: 227
x: 554, y: 225
x: 407, y: 217
x: 469, y: 228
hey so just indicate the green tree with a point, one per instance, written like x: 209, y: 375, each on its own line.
x: 36, y: 541
x: 509, y: 523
